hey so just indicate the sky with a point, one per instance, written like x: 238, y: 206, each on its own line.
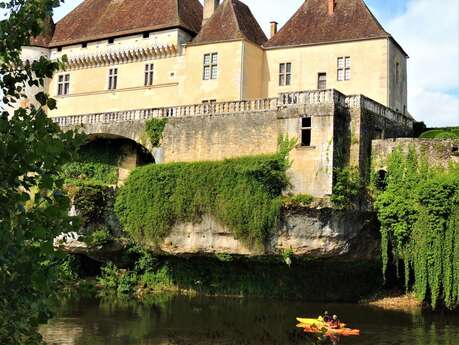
x: 428, y: 30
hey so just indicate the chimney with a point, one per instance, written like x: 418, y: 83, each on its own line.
x: 209, y: 8
x: 331, y: 7
x: 273, y: 28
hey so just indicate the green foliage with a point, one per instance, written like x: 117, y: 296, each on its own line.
x: 441, y: 133
x: 97, y: 164
x: 32, y: 150
x: 154, y: 129
x: 297, y: 200
x: 89, y: 201
x: 244, y: 194
x: 346, y: 187
x: 418, y: 215
x: 115, y: 280
x: 99, y: 237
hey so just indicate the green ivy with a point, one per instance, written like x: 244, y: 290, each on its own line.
x: 97, y: 164
x: 154, y: 129
x: 244, y: 194
x: 418, y: 212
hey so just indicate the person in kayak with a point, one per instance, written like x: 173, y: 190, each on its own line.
x: 335, y: 323
x: 327, y: 318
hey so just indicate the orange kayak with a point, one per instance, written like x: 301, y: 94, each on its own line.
x: 330, y: 331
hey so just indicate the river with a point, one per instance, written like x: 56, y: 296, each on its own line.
x: 183, y: 320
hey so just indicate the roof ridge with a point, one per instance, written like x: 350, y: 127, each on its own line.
x: 236, y: 18
x: 311, y: 24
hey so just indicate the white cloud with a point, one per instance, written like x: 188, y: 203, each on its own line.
x: 429, y: 32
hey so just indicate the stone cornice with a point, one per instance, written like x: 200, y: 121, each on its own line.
x: 119, y: 55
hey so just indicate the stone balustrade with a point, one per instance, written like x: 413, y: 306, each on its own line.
x: 360, y: 101
x: 287, y: 99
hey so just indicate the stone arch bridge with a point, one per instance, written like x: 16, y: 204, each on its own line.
x: 340, y: 126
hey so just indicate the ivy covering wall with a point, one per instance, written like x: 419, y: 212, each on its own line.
x: 243, y: 194
x: 97, y: 164
x: 419, y: 214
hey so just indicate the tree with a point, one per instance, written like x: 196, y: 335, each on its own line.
x: 33, y: 206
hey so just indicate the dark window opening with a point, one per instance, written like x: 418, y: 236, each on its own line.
x: 59, y: 49
x: 378, y: 133
x: 455, y: 150
x: 322, y: 81
x: 306, y: 131
x: 146, y: 34
x: 111, y: 40
x: 381, y: 180
x: 84, y: 45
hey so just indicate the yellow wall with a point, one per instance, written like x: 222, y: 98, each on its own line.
x: 398, y: 97
x: 245, y: 71
x: 368, y: 68
x: 254, y: 80
x: 227, y: 87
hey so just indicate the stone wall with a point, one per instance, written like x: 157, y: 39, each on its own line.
x: 436, y: 152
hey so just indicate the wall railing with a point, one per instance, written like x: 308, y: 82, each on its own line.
x: 286, y: 99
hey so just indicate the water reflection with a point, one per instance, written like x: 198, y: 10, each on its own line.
x: 181, y: 320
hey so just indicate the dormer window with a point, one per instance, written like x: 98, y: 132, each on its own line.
x: 111, y: 40
x: 210, y: 68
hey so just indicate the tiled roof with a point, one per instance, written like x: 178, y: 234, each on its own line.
x: 98, y: 19
x: 232, y: 20
x: 46, y: 35
x: 311, y: 24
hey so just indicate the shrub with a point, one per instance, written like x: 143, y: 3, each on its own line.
x: 441, y: 133
x: 154, y: 129
x: 90, y: 200
x: 157, y: 280
x: 99, y: 238
x: 298, y: 200
x: 244, y: 194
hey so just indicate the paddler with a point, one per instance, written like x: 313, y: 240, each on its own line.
x: 335, y: 323
x: 327, y: 317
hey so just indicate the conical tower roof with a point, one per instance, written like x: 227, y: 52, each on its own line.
x: 232, y: 20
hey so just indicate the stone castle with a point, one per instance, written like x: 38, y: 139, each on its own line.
x: 331, y: 77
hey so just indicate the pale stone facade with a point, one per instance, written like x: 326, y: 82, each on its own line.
x: 246, y: 70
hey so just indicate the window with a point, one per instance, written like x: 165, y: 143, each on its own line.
x: 344, y: 68
x: 306, y: 126
x: 285, y: 74
x: 210, y: 66
x: 112, y: 78
x: 63, y: 85
x: 149, y: 71
x: 111, y: 40
x: 397, y: 72
x: 84, y: 45
x: 59, y: 49
x: 146, y: 35
x: 209, y: 101
x: 322, y: 81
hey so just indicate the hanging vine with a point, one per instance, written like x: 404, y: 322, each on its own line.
x: 418, y: 211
